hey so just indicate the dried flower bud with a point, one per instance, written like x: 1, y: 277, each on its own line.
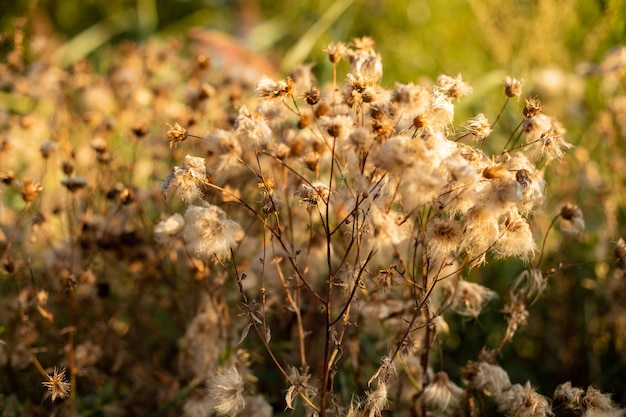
x: 203, y: 61
x: 30, y: 190
x: 99, y: 145
x: 573, y: 218
x: 140, y: 130
x: 532, y: 108
x: 7, y: 177
x: 313, y: 194
x: 176, y: 133
x: 74, y: 184
x: 419, y: 121
x: 67, y: 167
x: 513, y: 87
x: 47, y: 148
x: 336, y: 51
x: 312, y: 96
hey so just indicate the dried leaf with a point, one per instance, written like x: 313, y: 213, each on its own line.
x: 244, y: 334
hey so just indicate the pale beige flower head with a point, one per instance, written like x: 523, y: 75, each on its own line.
x: 336, y: 51
x: 252, y: 129
x: 523, y: 401
x: 492, y: 379
x: 186, y: 180
x: 444, y: 237
x: 470, y: 298
x: 268, y: 89
x: 225, y: 393
x: 453, y: 87
x: 377, y: 400
x: 512, y: 87
x: 573, y: 220
x: 209, y: 233
x: 478, y: 126
x: 516, y: 239
x: 176, y: 133
x: 441, y: 394
x: 168, y: 229
x: 313, y: 194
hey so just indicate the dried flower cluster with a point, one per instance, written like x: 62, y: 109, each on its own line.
x: 197, y: 240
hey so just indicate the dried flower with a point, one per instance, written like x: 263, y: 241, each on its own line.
x: 444, y: 238
x: 573, y: 221
x: 225, y: 393
x: 47, y: 148
x: 478, y: 126
x: 364, y: 59
x: 30, y: 190
x: 7, y: 177
x: 56, y: 384
x: 268, y: 89
x: 208, y: 232
x: 552, y: 143
x: 523, y: 401
x: 176, y: 133
x: 336, y: 51
x: 186, y: 180
x: 299, y: 384
x: 568, y: 397
x: 169, y: 228
x: 312, y: 96
x: 377, y: 400
x: 516, y: 239
x: 313, y: 194
x: 595, y: 401
x: 532, y: 108
x: 74, y: 184
x: 470, y: 298
x: 442, y: 394
x: 453, y: 87
x: 513, y: 87
x: 251, y: 128
x: 492, y: 379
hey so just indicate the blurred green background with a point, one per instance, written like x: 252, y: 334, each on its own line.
x: 572, y: 332
x: 418, y: 37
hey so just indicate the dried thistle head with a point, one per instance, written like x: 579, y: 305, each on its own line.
x: 523, y: 400
x: 30, y: 190
x: 74, y: 184
x: 56, y: 384
x: 478, y: 126
x: 441, y: 394
x: 268, y: 89
x: 175, y: 133
x: 226, y: 393
x: 453, y: 87
x: 573, y: 221
x: 336, y: 51
x: 513, y: 87
x: 313, y: 194
x: 532, y: 108
x: 312, y: 96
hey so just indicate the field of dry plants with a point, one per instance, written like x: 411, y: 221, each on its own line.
x: 188, y: 229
